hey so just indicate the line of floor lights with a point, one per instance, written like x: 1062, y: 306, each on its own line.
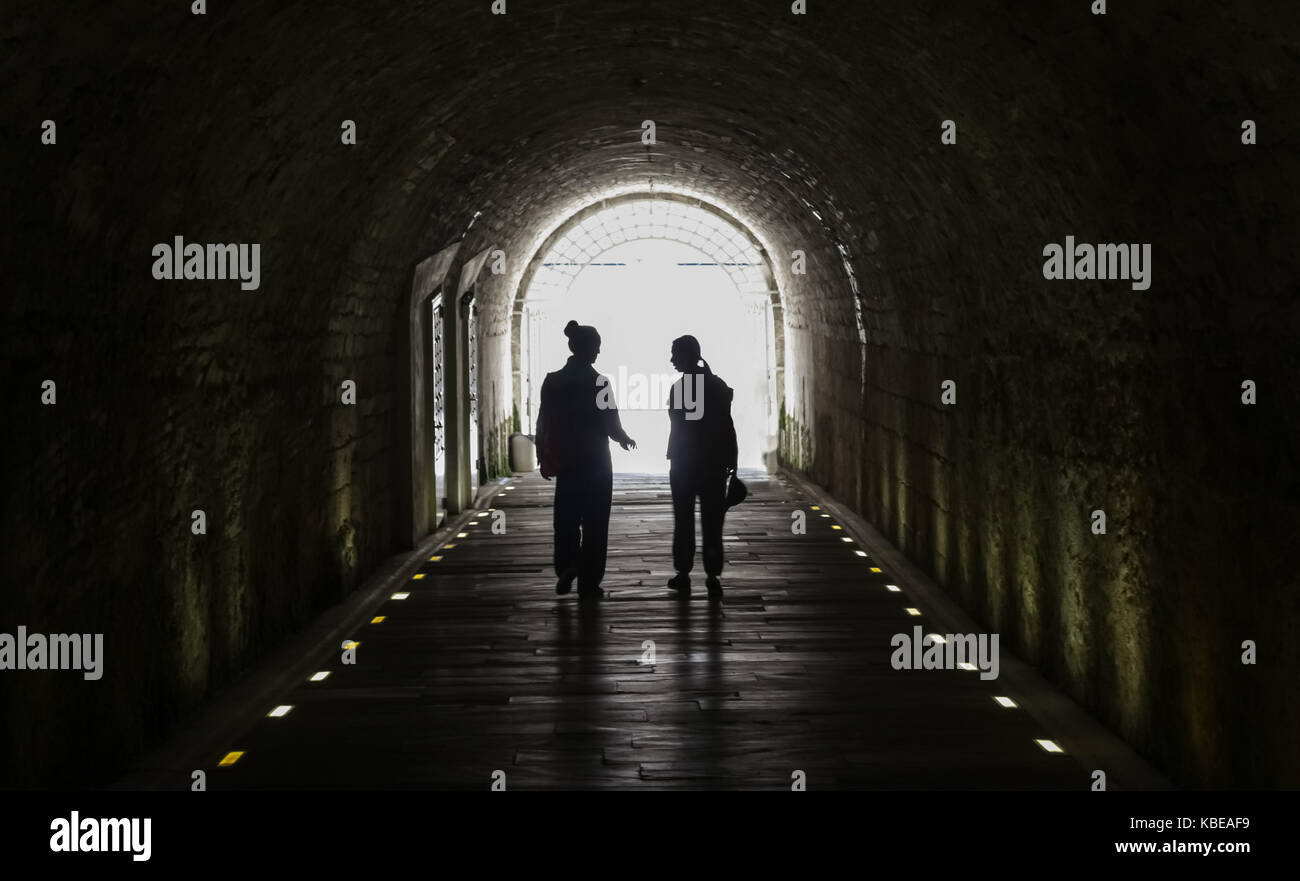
x: 283, y: 710
x: 1046, y: 745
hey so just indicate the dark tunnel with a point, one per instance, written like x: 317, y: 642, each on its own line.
x: 932, y: 381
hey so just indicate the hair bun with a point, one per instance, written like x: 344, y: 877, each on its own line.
x: 570, y: 328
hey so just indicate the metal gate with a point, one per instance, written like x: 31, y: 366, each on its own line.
x: 438, y: 418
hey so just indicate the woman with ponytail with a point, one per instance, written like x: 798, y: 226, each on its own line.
x: 575, y: 422
x: 702, y: 451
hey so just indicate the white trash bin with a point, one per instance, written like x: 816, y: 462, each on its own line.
x: 523, y: 454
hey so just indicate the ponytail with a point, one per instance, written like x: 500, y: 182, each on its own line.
x: 689, y: 347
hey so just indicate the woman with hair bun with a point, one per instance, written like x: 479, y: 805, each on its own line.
x: 575, y: 423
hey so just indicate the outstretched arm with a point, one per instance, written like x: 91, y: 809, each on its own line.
x: 614, y: 428
x: 613, y: 425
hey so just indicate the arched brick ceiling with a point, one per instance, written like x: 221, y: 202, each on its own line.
x: 514, y: 116
x: 518, y: 116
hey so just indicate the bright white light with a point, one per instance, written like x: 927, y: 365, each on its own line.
x: 1049, y: 746
x: 1005, y: 701
x: 648, y: 271
x: 282, y: 710
x: 892, y: 588
x: 320, y: 677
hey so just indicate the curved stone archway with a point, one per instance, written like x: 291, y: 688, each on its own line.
x: 586, y: 234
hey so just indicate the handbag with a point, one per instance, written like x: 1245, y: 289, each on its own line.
x: 736, y: 490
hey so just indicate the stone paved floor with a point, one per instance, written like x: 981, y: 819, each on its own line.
x: 483, y: 668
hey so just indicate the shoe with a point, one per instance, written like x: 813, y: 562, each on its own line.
x: 565, y: 584
x: 715, y: 587
x: 680, y: 582
x: 587, y: 593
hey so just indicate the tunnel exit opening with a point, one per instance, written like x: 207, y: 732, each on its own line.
x: 644, y: 269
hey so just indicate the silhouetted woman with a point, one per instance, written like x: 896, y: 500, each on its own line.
x: 575, y: 422
x: 702, y: 452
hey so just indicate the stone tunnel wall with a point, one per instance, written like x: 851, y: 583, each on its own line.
x: 1070, y: 395
x: 1076, y: 396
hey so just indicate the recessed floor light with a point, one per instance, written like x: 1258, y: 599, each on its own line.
x: 1049, y: 746
x: 861, y: 553
x: 827, y: 516
x: 845, y: 538
x: 892, y: 588
x: 877, y: 569
x: 445, y: 547
x: 937, y: 639
x: 966, y: 665
x: 1005, y: 701
x: 836, y: 526
x: 319, y: 677
x: 231, y: 757
x: 816, y: 507
x: 912, y: 611
x: 400, y: 595
x: 378, y: 619
x: 462, y: 535
x: 282, y: 710
x: 352, y: 644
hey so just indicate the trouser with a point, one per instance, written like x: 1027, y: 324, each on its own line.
x: 582, y: 500
x: 709, y: 484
